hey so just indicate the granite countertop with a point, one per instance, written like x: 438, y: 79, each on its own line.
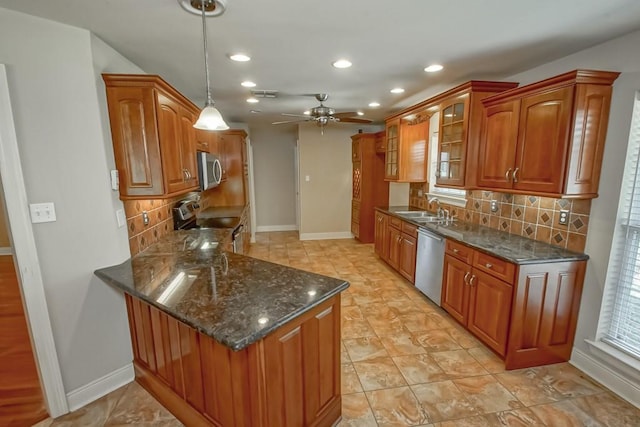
x: 512, y: 248
x: 234, y: 299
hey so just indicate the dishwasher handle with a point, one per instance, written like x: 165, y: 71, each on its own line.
x: 433, y: 236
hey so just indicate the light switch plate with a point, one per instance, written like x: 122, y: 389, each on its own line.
x: 42, y: 212
x: 121, y: 218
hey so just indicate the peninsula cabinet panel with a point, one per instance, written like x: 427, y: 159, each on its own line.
x: 561, y: 128
x: 545, y: 313
x: 289, y: 378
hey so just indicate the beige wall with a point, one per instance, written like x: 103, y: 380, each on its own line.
x: 398, y: 194
x: 274, y: 176
x: 4, y: 232
x: 325, y: 201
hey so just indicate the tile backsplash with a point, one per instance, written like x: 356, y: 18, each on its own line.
x: 534, y: 217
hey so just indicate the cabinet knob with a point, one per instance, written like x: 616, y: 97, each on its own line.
x: 515, y: 174
x: 455, y: 251
x: 506, y: 175
x: 488, y: 265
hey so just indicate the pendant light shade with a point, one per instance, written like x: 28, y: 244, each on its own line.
x: 210, y: 118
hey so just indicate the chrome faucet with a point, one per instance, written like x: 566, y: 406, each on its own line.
x: 440, y: 212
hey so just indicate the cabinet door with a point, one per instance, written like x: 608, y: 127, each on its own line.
x: 355, y: 149
x: 412, y: 151
x: 395, y: 236
x: 545, y: 313
x: 381, y: 142
x: 490, y: 310
x: 455, y: 291
x: 170, y: 130
x: 407, y: 262
x: 357, y: 180
x: 188, y: 147
x: 452, y: 143
x: 381, y: 245
x: 391, y: 157
x: 543, y: 138
x: 135, y: 141
x: 497, y: 154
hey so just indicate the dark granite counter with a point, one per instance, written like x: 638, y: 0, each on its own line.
x: 234, y: 299
x: 512, y: 248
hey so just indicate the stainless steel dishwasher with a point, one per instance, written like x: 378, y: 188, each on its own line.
x: 429, y: 260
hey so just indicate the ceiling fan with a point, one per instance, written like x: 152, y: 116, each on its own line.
x: 322, y: 115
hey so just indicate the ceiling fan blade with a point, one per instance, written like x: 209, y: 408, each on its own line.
x: 346, y: 114
x: 288, y: 121
x: 352, y: 120
x: 297, y: 115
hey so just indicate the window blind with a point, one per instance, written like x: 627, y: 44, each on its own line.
x: 621, y: 304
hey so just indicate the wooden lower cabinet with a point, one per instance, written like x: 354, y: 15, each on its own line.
x: 289, y: 378
x: 381, y: 241
x: 396, y: 243
x: 407, y: 261
x: 527, y: 314
x: 395, y: 236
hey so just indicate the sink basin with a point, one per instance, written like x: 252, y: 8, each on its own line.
x: 415, y: 214
x: 219, y: 222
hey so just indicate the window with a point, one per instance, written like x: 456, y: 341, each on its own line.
x: 452, y: 196
x: 620, y: 313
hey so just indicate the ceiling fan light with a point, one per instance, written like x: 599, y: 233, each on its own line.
x: 360, y: 113
x: 210, y: 119
x: 307, y: 112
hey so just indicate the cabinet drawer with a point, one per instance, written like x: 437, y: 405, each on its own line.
x: 395, y: 222
x: 495, y: 266
x: 410, y: 229
x: 460, y: 251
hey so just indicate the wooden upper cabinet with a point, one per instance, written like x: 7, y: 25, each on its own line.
x: 557, y: 128
x: 154, y: 141
x: 452, y: 142
x: 406, y: 151
x: 391, y: 153
x: 207, y: 141
x: 381, y: 142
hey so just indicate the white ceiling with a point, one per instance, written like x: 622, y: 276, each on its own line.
x: 293, y: 43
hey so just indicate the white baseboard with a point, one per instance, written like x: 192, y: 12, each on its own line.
x: 102, y: 386
x: 266, y: 228
x: 606, y: 376
x: 326, y: 236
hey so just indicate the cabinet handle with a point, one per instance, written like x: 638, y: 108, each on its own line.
x: 515, y: 174
x: 471, y: 280
x: 506, y: 175
x: 184, y: 173
x: 188, y: 174
x: 466, y: 277
x: 488, y: 265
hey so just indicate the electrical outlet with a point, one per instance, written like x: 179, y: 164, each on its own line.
x: 563, y: 219
x: 494, y: 206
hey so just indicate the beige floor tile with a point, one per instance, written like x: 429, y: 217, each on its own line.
x: 352, y: 313
x: 443, y: 401
x: 367, y: 298
x: 350, y: 380
x: 396, y: 407
x: 421, y: 322
x: 379, y: 373
x: 365, y: 348
x: 458, y: 364
x: 567, y: 380
x: 487, y: 394
x: 401, y: 344
x: 344, y: 354
x: 356, y: 329
x: 608, y: 409
x: 356, y: 411
x: 137, y: 407
x: 96, y: 413
x: 489, y: 361
x: 405, y: 306
x: 464, y: 338
x: 419, y: 369
x: 516, y: 418
x: 529, y: 389
x: 436, y: 340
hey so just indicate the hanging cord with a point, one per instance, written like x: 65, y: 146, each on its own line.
x: 206, y: 56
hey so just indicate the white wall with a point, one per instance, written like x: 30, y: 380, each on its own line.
x: 274, y: 176
x: 62, y: 129
x: 325, y: 201
x: 399, y: 193
x: 621, y: 54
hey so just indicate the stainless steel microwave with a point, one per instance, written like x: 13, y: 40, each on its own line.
x: 209, y: 170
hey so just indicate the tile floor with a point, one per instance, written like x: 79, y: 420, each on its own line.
x: 405, y: 362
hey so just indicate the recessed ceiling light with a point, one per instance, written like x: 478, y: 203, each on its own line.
x: 374, y: 104
x: 397, y: 90
x: 247, y: 83
x: 433, y: 68
x: 306, y: 112
x: 342, y: 63
x: 360, y: 113
x: 252, y: 100
x: 255, y: 111
x: 239, y: 57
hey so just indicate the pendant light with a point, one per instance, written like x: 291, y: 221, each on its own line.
x: 210, y: 118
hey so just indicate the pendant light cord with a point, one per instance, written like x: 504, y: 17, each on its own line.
x: 206, y: 56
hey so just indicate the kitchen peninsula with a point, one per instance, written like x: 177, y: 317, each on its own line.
x: 228, y: 340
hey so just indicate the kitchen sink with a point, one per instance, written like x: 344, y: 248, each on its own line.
x: 219, y: 222
x: 415, y: 214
